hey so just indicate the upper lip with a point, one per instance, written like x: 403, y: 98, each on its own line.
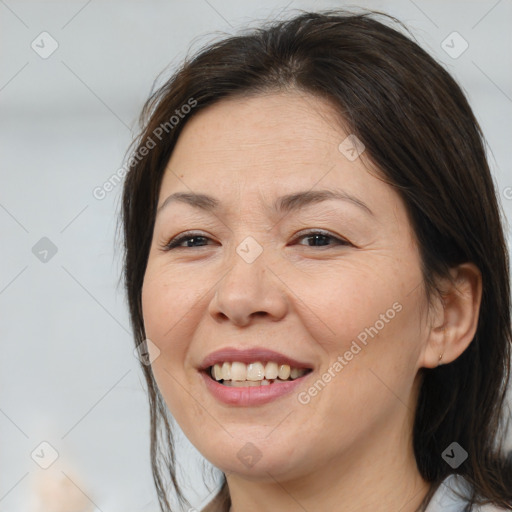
x: 248, y: 356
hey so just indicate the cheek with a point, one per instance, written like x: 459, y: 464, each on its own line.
x: 367, y: 313
x: 345, y: 301
x: 166, y: 303
x: 169, y: 296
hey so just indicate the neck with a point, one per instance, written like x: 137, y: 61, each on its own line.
x: 404, y: 495
x: 379, y: 475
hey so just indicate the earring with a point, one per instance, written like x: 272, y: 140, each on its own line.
x: 440, y: 357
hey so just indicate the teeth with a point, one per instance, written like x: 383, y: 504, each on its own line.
x: 226, y: 371
x: 238, y: 371
x: 217, y: 372
x: 239, y: 374
x: 294, y: 373
x: 271, y: 370
x: 255, y: 371
x: 284, y: 372
x: 245, y: 383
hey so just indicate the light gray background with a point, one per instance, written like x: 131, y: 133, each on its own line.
x: 68, y: 375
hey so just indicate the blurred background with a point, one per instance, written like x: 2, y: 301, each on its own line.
x: 73, y: 78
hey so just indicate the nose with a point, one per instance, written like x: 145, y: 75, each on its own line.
x: 248, y: 292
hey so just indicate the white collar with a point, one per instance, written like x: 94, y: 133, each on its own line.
x: 445, y: 499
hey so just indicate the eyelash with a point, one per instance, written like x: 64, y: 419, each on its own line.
x: 175, y: 243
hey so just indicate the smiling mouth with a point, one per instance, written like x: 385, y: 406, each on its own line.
x: 238, y: 374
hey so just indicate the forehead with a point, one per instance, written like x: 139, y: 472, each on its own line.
x: 264, y: 124
x: 266, y: 146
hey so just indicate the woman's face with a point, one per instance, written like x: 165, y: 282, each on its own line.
x: 346, y: 305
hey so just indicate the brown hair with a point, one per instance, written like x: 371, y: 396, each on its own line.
x: 420, y: 132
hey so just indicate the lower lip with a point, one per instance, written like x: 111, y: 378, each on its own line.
x: 250, y: 395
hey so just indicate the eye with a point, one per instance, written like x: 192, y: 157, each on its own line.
x: 177, y: 242
x: 322, y: 236
x: 318, y: 237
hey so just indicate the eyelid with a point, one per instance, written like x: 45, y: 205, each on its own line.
x: 180, y: 238
x: 174, y: 242
x: 323, y: 232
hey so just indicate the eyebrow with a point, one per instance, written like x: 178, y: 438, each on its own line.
x: 283, y: 204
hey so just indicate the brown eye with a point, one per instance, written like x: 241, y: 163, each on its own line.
x: 322, y: 238
x: 196, y: 240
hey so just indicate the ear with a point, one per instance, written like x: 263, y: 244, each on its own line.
x: 453, y: 316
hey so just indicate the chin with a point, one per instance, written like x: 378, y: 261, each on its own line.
x: 254, y: 459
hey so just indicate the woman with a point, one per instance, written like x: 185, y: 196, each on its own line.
x: 315, y: 260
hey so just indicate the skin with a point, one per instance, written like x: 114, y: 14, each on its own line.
x: 352, y: 443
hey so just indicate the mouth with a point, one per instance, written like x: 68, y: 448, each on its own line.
x: 253, y: 376
x: 258, y: 373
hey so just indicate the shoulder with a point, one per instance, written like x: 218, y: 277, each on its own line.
x: 451, y: 497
